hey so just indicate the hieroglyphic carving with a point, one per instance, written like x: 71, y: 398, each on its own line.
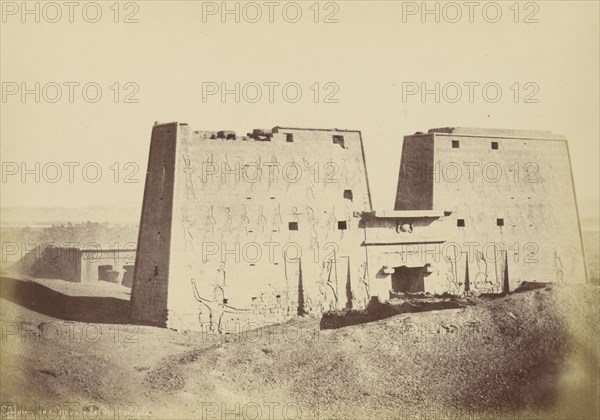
x: 295, y: 215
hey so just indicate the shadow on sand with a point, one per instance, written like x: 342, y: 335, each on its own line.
x: 377, y: 310
x: 43, y: 300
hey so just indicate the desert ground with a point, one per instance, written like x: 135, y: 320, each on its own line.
x: 70, y: 350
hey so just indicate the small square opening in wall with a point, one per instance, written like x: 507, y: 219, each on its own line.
x: 348, y: 194
x: 289, y: 137
x: 455, y: 144
x: 339, y: 140
x: 342, y: 225
x: 499, y: 222
x: 460, y: 222
x: 494, y: 145
x: 293, y: 225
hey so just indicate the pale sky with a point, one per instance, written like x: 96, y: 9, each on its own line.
x: 367, y: 57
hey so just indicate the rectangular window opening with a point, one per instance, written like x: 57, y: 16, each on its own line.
x: 339, y: 140
x: 494, y: 145
x: 342, y: 225
x: 499, y: 222
x: 460, y: 222
x: 348, y: 194
x: 289, y: 138
x: 293, y: 225
x: 455, y: 144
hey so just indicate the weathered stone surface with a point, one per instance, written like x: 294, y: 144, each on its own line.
x: 512, y: 190
x: 256, y: 230
x: 250, y: 231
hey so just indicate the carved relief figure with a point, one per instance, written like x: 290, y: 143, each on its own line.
x: 252, y: 172
x: 188, y: 238
x: 262, y: 220
x: 453, y: 285
x: 228, y: 220
x: 365, y: 294
x: 344, y: 174
x: 271, y: 171
x: 327, y: 285
x: 332, y: 221
x: 482, y: 266
x: 210, y: 221
x: 189, y: 184
x: 216, y: 307
x: 483, y: 280
x: 310, y: 182
x: 530, y: 214
x: 208, y: 167
x: 312, y: 223
x: 245, y: 219
x: 558, y: 267
x: 276, y: 221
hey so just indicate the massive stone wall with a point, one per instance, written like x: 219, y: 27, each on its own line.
x: 256, y: 229
x: 151, y: 274
x: 261, y: 228
x: 509, y: 204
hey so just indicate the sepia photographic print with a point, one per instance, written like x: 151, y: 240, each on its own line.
x: 300, y: 210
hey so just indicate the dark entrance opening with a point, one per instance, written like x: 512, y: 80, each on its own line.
x: 127, y: 280
x: 106, y: 273
x: 409, y: 279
